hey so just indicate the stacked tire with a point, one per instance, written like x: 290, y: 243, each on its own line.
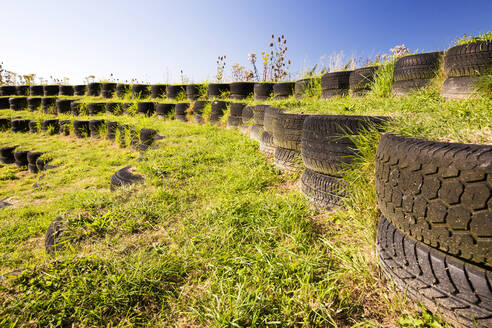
x: 235, y: 119
x: 217, y: 111
x: 335, y: 84
x: 198, y: 108
x: 263, y: 91
x: 267, y: 144
x: 287, y: 136
x: 241, y: 90
x: 259, y: 121
x: 415, y: 72
x: 360, y: 80
x: 247, y: 115
x: 217, y: 90
x: 463, y: 65
x: 435, y: 233
x: 181, y: 109
x: 283, y: 90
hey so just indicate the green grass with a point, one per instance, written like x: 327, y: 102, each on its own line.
x: 466, y: 39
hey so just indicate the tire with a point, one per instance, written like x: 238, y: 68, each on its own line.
x: 283, y: 90
x: 287, y: 131
x: 181, y: 108
x: 113, y: 108
x: 361, y: 79
x: 247, y: 114
x: 96, y: 108
x: 236, y: 109
x: 271, y: 114
x: 36, y: 90
x: 4, y: 103
x: 198, y: 106
x: 459, y: 87
x: 469, y: 59
x: 32, y: 157
x: 193, y: 91
x: 259, y: 114
x: 56, y: 236
x: 94, y: 89
x: 53, y: 125
x: 325, y: 146
x: 75, y: 108
x: 263, y: 91
x: 41, y: 164
x: 241, y: 90
x: 404, y: 87
x: 146, y: 138
x: 80, y: 90
x: 21, y: 158
x: 33, y: 127
x: 173, y: 91
x: 63, y: 106
x: 140, y: 91
x: 108, y: 89
x: 111, y: 128
x: 7, y: 90
x: 19, y: 125
x: 122, y: 89
x: 322, y: 190
x: 34, y: 103
x: 65, y: 127
x: 146, y: 108
x: 256, y: 132
x: 181, y: 118
x: 95, y: 126
x: 66, y: 90
x: 417, y: 67
x: 335, y: 84
x: 18, y: 103
x: 216, y: 90
x: 287, y: 160
x: 245, y: 130
x: 81, y: 129
x: 217, y: 110
x: 458, y: 291
x: 302, y: 85
x: 124, y: 177
x: 4, y: 124
x: 51, y: 90
x: 267, y: 145
x: 438, y: 193
x: 164, y: 109
x: 7, y: 154
x: 234, y: 122
x: 22, y: 90
x: 157, y: 91
x: 48, y: 105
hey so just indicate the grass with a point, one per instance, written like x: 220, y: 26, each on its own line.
x: 466, y: 39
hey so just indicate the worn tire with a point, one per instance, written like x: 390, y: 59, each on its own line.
x: 233, y: 122
x: 7, y: 154
x: 192, y: 91
x: 362, y: 78
x: 94, y: 89
x: 34, y: 103
x: 66, y: 90
x: 164, y: 109
x: 96, y: 108
x: 287, y: 130
x: 259, y: 114
x: 124, y: 177
x: 51, y: 90
x: 95, y: 126
x: 236, y: 109
x: 7, y: 90
x: 404, y: 87
x: 216, y: 90
x: 174, y: 90
x: 458, y: 291
x: 21, y: 158
x: 81, y: 129
x: 122, y: 89
x: 36, y: 90
x: 287, y: 160
x: 335, y: 84
x: 417, y: 67
x: 158, y: 91
x: 4, y: 124
x: 438, y: 193
x: 4, y: 103
x: 322, y: 190
x: 469, y: 59
x: 56, y: 236
x: 22, y: 90
x: 241, y: 90
x: 283, y: 90
x: 247, y: 114
x: 19, y: 125
x: 271, y: 114
x: 111, y: 128
x: 108, y: 89
x: 63, y: 106
x: 48, y: 105
x: 267, y: 145
x: 263, y: 91
x: 256, y: 132
x: 146, y: 108
x: 53, y: 124
x: 459, y: 87
x: 18, y: 103
x: 79, y: 90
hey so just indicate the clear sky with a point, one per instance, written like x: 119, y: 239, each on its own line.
x: 153, y: 40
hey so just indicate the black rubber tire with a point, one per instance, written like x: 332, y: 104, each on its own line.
x: 66, y: 90
x: 468, y: 60
x: 19, y: 125
x: 7, y: 155
x: 94, y: 89
x: 181, y: 108
x: 216, y: 90
x: 198, y: 106
x: 34, y: 103
x: 335, y: 84
x: 326, y: 147
x: 80, y: 89
x: 63, y: 106
x: 404, y: 87
x: 113, y: 108
x: 41, y: 164
x: 140, y: 91
x: 21, y: 158
x: 51, y: 90
x: 247, y: 114
x: 417, y: 67
x: 111, y: 128
x: 256, y: 132
x: 263, y: 91
x: 36, y: 90
x: 283, y: 90
x: 217, y: 110
x: 96, y: 108
x: 302, y: 85
x: 267, y: 145
x: 164, y: 109
x: 122, y: 89
x: 259, y: 114
x: 234, y: 122
x: 32, y: 157
x: 18, y: 103
x: 33, y: 127
x: 81, y: 129
x: 287, y: 160
x: 270, y: 116
x: 4, y: 103
x: 56, y: 236
x: 322, y: 190
x: 146, y: 108
x: 129, y: 108
x: 7, y: 90
x: 65, y: 127
x: 241, y: 90
x: 181, y: 118
x: 146, y: 138
x: 287, y: 130
x: 53, y: 125
x: 174, y: 90
x: 108, y: 89
x: 95, y: 126
x: 158, y: 91
x: 22, y: 90
x: 439, y: 193
x: 124, y: 177
x: 459, y: 87
x: 458, y: 291
x: 4, y: 124
x: 362, y: 78
x: 48, y: 105
x: 75, y: 108
x: 236, y: 109
x: 193, y: 91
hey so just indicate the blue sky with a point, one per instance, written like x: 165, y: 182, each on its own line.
x: 153, y: 40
